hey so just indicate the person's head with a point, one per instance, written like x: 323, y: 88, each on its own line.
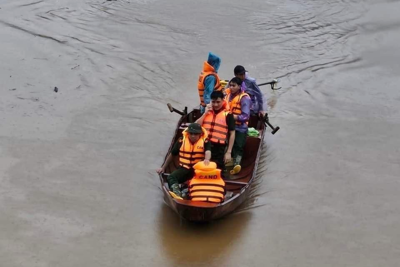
x: 240, y: 72
x: 235, y: 84
x: 217, y: 100
x: 194, y: 132
x: 214, y: 61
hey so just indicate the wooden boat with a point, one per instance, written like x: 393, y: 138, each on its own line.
x: 237, y: 186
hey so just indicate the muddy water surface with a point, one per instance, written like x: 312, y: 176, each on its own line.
x: 77, y: 180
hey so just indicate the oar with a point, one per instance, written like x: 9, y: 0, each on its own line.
x: 172, y: 109
x: 273, y: 83
x: 266, y: 121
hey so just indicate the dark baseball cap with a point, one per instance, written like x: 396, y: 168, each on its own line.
x: 239, y: 70
x: 194, y: 128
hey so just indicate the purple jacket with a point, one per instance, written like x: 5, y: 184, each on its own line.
x: 250, y: 86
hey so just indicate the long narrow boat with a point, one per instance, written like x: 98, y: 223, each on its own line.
x: 237, y: 186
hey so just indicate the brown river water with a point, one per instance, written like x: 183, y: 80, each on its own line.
x: 77, y: 168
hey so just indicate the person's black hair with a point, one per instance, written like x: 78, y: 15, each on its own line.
x: 217, y: 94
x: 236, y: 80
x: 239, y: 70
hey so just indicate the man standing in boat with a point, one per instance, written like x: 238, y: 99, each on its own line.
x: 191, y: 148
x: 239, y: 105
x: 250, y: 86
x: 220, y: 126
x: 209, y: 80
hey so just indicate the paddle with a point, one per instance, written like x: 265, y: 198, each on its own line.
x: 273, y: 84
x: 265, y: 119
x: 172, y: 109
x: 266, y: 122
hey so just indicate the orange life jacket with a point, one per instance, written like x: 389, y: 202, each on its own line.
x: 234, y: 104
x: 190, y: 154
x: 207, y: 70
x: 207, y: 185
x: 216, y: 126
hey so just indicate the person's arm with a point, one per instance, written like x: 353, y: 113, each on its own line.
x: 230, y: 121
x: 207, y: 157
x: 228, y: 154
x: 201, y: 119
x: 174, y: 152
x: 245, y: 103
x: 207, y: 154
x: 231, y: 141
x: 209, y: 84
x: 259, y: 96
x: 166, y: 163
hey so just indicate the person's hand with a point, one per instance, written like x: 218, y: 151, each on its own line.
x: 206, y: 162
x: 262, y: 114
x: 265, y: 117
x: 227, y: 157
x: 160, y: 170
x: 235, y: 117
x: 208, y: 108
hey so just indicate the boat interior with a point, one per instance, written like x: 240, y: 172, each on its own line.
x: 234, y: 183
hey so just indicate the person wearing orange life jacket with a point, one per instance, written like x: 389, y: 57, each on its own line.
x: 208, y: 80
x: 239, y: 105
x: 220, y: 126
x: 191, y: 148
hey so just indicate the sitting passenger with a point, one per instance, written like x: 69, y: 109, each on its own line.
x: 192, y: 148
x: 239, y: 105
x: 207, y: 184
